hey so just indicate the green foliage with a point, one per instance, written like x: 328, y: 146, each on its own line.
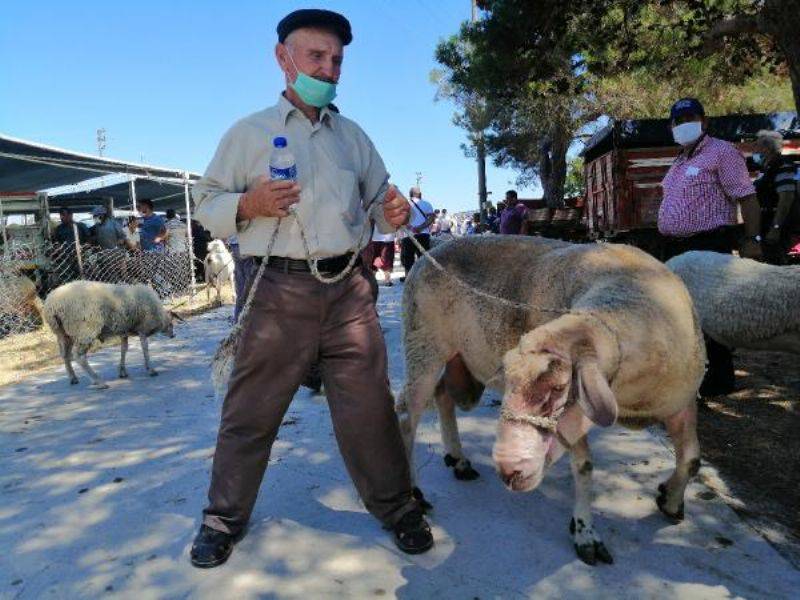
x: 573, y: 185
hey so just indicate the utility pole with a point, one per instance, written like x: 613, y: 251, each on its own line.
x: 480, y: 149
x: 101, y: 140
x: 419, y: 177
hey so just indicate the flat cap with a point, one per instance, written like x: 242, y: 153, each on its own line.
x: 99, y: 211
x: 314, y: 17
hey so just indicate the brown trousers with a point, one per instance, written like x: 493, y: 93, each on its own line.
x: 295, y: 320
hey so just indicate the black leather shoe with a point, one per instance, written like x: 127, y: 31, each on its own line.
x: 412, y: 534
x: 211, y: 548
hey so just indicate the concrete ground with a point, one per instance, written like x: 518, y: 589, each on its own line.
x: 101, y: 493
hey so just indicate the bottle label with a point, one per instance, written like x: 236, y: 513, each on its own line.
x: 287, y: 173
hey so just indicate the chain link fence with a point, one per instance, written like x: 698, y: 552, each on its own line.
x: 24, y: 268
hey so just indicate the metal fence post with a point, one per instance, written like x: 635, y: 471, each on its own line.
x: 78, y: 248
x: 189, y: 231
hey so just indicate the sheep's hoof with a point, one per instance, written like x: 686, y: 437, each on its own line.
x: 421, y: 501
x: 588, y: 546
x: 591, y: 552
x: 661, y: 501
x: 462, y: 468
x: 74, y: 381
x: 152, y: 373
x: 123, y: 374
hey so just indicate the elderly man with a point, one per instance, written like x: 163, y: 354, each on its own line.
x: 777, y: 196
x: 295, y: 319
x: 698, y: 211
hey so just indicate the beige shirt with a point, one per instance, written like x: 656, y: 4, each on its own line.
x: 339, y: 171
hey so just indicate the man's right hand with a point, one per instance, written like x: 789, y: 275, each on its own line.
x: 268, y: 198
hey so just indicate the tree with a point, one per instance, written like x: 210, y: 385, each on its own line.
x: 546, y: 68
x: 573, y: 186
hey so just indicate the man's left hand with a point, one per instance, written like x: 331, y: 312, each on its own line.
x: 396, y: 209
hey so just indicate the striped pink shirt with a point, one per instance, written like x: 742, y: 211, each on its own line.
x: 700, y: 191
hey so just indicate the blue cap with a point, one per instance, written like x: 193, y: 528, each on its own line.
x: 686, y: 106
x: 279, y: 142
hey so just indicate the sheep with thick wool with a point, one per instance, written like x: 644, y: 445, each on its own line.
x: 84, y: 311
x: 219, y: 267
x: 18, y: 295
x: 599, y: 333
x: 743, y: 303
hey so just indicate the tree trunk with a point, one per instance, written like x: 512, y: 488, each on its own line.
x: 780, y: 19
x: 553, y: 165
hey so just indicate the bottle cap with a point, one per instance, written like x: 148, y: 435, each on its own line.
x: 279, y: 142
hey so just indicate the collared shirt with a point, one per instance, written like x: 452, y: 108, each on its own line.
x: 149, y: 230
x: 108, y: 234
x: 701, y: 189
x: 511, y: 219
x: 339, y: 171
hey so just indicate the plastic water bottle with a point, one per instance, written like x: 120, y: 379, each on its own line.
x: 282, y: 164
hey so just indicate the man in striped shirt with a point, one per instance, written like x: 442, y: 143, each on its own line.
x: 699, y: 211
x: 776, y: 188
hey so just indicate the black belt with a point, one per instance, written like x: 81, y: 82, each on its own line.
x: 328, y: 266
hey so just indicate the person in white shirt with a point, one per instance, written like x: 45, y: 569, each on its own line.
x: 421, y: 218
x: 444, y: 224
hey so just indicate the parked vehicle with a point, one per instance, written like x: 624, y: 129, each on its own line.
x: 626, y: 161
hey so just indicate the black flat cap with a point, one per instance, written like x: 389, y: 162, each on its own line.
x: 313, y: 17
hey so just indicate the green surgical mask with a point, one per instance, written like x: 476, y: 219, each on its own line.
x: 312, y: 91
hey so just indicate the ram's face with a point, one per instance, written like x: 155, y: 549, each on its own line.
x: 537, y: 384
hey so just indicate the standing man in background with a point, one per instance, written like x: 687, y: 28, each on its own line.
x: 152, y: 229
x: 777, y: 196
x: 176, y: 232
x: 513, y: 216
x: 421, y: 218
x: 698, y: 211
x: 295, y: 319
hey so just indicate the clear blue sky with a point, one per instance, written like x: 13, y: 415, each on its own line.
x: 166, y: 79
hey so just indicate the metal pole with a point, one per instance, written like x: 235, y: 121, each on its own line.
x: 3, y: 227
x: 78, y: 248
x: 133, y: 192
x: 190, y: 248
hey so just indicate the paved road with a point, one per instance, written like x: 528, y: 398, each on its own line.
x: 100, y: 494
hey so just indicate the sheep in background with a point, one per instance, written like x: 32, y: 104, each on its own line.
x: 219, y: 268
x: 18, y: 296
x: 743, y: 303
x: 84, y: 311
x: 620, y: 341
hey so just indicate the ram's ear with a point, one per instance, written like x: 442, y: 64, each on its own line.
x: 176, y: 316
x: 594, y: 394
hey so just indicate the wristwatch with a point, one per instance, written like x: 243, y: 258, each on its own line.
x: 776, y: 226
x: 755, y: 238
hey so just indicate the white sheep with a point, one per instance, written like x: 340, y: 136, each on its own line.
x: 743, y: 303
x: 219, y: 268
x: 614, y: 337
x: 84, y: 311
